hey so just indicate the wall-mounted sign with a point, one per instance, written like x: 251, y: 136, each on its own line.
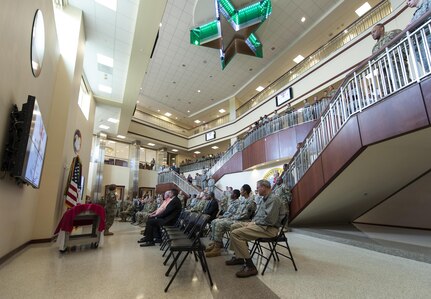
x: 210, y: 135
x: 284, y: 96
x: 77, y: 139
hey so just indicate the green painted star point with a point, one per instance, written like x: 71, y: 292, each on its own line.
x: 234, y: 32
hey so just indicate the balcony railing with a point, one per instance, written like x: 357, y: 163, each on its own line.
x: 398, y: 66
x: 172, y: 177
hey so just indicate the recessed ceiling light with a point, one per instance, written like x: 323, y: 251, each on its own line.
x: 197, y: 121
x: 105, y: 60
x: 197, y: 152
x: 346, y: 31
x: 105, y: 88
x: 111, y: 4
x: 160, y: 25
x: 174, y: 150
x: 298, y: 58
x: 168, y: 114
x: 102, y: 135
x: 151, y: 144
x: 303, y: 19
x: 199, y: 90
x: 104, y: 127
x: 158, y: 110
x: 188, y: 111
x: 121, y: 136
x: 113, y: 120
x: 137, y: 102
x: 260, y: 88
x: 111, y: 141
x: 176, y: 117
x: 222, y: 111
x: 363, y: 9
x: 214, y: 147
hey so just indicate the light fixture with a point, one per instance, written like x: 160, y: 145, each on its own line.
x: 199, y: 90
x: 113, y: 120
x: 103, y: 135
x: 197, y: 121
x: 214, y: 147
x: 104, y: 88
x: 111, y: 141
x: 188, y: 111
x: 197, y: 152
x: 363, y: 9
x: 160, y: 25
x: 346, y: 31
x: 298, y: 58
x: 137, y: 102
x: 103, y: 127
x: 303, y: 19
x: 105, y: 60
x: 121, y: 136
x: 158, y: 110
x: 111, y: 4
x: 222, y: 111
x: 174, y: 150
x: 168, y: 114
x: 260, y: 88
x: 151, y: 144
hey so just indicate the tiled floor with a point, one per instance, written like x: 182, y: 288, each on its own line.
x: 121, y: 269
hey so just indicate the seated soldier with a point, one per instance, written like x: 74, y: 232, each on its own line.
x: 282, y: 191
x: 201, y: 204
x: 265, y: 224
x: 244, y: 212
x: 150, y: 206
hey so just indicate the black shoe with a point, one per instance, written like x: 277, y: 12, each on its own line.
x: 157, y: 240
x: 147, y: 244
x: 234, y: 261
x: 143, y: 239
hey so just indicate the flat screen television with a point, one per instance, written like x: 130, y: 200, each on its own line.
x: 27, y: 145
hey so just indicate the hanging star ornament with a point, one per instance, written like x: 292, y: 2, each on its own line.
x: 234, y: 32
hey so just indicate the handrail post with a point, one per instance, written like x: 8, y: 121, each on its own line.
x: 413, y: 56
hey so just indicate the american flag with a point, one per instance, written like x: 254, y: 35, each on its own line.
x: 74, y: 183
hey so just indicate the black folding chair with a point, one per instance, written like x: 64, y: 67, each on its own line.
x: 279, y: 240
x: 187, y: 246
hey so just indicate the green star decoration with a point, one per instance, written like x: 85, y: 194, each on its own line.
x: 235, y: 31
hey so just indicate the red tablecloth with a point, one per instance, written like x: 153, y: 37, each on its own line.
x: 67, y: 224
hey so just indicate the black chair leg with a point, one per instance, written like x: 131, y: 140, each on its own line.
x: 291, y: 256
x: 176, y: 272
x: 174, y: 262
x: 205, y: 265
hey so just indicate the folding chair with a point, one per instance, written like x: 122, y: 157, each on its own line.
x: 278, y: 240
x: 177, y: 247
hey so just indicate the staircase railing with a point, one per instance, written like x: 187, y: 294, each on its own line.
x: 172, y: 177
x: 407, y: 60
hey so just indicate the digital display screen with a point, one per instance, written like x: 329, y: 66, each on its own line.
x: 36, y: 147
x: 210, y: 135
x: 284, y: 96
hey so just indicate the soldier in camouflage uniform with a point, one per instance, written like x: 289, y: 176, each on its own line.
x: 110, y: 207
x: 378, y: 33
x: 246, y: 209
x: 283, y: 192
x: 150, y: 205
x: 201, y: 205
x: 422, y: 7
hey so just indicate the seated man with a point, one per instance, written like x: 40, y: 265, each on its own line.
x: 211, y: 207
x: 244, y: 212
x: 265, y: 224
x: 167, y: 217
x: 150, y: 206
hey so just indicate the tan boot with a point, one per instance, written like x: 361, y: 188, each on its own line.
x: 209, y: 247
x: 216, y: 251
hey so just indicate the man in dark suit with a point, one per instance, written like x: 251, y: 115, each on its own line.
x: 212, y: 207
x: 168, y: 217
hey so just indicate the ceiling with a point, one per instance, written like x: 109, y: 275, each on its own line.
x: 171, y: 79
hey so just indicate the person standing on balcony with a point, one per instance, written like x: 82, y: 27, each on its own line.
x: 204, y: 179
x: 422, y: 7
x: 211, y: 184
x: 383, y: 38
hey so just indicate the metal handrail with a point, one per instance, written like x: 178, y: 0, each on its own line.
x: 172, y: 177
x: 406, y: 61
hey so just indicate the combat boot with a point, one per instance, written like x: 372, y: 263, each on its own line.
x: 209, y: 247
x: 216, y: 251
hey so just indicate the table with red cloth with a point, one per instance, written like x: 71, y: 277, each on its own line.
x: 67, y: 222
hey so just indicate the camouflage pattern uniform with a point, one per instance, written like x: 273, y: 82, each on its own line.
x: 420, y: 11
x: 386, y: 38
x: 200, y: 206
x: 284, y: 194
x: 244, y: 212
x: 149, y: 207
x: 110, y: 208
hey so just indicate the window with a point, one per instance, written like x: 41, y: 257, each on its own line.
x: 84, y: 99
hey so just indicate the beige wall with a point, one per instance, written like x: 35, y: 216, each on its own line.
x: 119, y: 175
x: 27, y: 213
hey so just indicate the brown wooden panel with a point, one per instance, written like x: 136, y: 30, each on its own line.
x: 401, y: 113
x: 161, y: 188
x: 310, y: 185
x: 254, y: 154
x: 272, y: 148
x: 233, y: 165
x: 426, y: 93
x: 302, y: 130
x: 345, y: 145
x: 287, y: 143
